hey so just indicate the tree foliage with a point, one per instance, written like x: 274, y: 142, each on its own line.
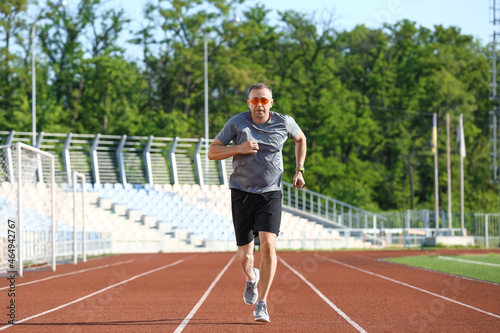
x: 364, y: 98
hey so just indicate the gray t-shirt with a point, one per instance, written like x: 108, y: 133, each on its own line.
x: 260, y: 172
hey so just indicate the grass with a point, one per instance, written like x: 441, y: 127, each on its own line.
x: 467, y: 269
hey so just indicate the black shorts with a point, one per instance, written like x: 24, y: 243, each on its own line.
x: 255, y: 212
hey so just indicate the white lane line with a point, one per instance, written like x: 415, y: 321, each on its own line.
x: 203, y: 298
x: 413, y: 287
x: 71, y: 273
x: 320, y: 294
x: 469, y: 261
x: 94, y: 293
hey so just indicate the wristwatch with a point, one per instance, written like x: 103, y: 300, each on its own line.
x: 300, y: 169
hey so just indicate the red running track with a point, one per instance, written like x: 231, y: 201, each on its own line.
x: 312, y: 292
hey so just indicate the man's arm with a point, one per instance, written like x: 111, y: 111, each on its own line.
x: 300, y: 157
x: 219, y: 151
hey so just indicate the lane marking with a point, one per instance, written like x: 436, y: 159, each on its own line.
x: 413, y: 287
x: 320, y: 294
x: 71, y: 273
x: 469, y: 261
x: 94, y: 293
x: 203, y: 298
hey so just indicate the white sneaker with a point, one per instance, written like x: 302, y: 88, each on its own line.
x: 260, y: 312
x: 250, y: 293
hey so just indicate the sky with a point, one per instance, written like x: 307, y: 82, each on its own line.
x: 471, y: 16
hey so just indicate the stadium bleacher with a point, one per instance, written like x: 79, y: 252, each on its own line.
x: 175, y: 213
x: 160, y: 218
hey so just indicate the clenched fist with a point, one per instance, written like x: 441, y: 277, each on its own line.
x: 298, y: 180
x: 249, y: 147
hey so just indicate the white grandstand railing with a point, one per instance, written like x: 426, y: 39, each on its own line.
x: 36, y: 243
x: 335, y: 211
x: 97, y: 243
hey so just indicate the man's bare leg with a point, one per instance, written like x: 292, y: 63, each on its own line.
x: 246, y: 260
x: 268, y: 263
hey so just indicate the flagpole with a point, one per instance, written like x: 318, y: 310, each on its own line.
x: 436, y: 189
x: 462, y: 155
x: 449, y: 169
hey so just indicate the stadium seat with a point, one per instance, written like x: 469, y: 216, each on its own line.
x: 152, y: 193
x: 40, y: 185
x: 98, y: 186
x: 186, y: 187
x: 120, y: 197
x: 65, y: 187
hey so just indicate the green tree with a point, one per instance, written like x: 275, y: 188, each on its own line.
x: 12, y: 78
x: 82, y: 74
x: 363, y: 97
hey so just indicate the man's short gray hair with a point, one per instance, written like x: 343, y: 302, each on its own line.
x: 260, y: 86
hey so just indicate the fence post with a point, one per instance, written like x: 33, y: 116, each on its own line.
x: 19, y: 210
x: 94, y: 159
x: 173, y: 161
x: 326, y: 209
x: 289, y: 194
x: 486, y: 240
x: 296, y: 198
x: 223, y: 172
x: 407, y: 227
x: 10, y: 161
x: 147, y: 161
x: 75, y: 243
x: 67, y: 159
x: 197, y: 163
x: 121, y: 160
x: 84, y: 241
x: 304, y: 201
x: 311, y: 200
x: 335, y: 212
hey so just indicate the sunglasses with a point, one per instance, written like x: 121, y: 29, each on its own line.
x: 256, y: 101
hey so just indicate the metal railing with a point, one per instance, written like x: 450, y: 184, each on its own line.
x: 338, y: 213
x: 486, y: 229
x: 37, y: 246
x: 97, y: 243
x: 125, y: 159
x: 424, y: 218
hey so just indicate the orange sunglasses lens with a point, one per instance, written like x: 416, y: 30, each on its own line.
x: 256, y: 101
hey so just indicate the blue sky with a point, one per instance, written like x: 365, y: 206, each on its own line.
x: 472, y: 16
